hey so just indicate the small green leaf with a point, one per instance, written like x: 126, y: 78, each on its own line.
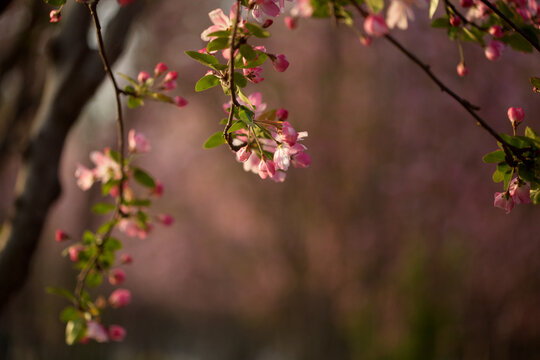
x: 143, y: 178
x: 497, y: 176
x: 494, y: 157
x: 112, y: 244
x: 94, y: 279
x: 60, y: 292
x: 103, y: 208
x: 133, y: 102
x: 55, y: 2
x: 240, y: 80
x: 258, y: 61
x: 256, y: 30
x: 206, y: 82
x: 473, y: 35
x: 220, y: 34
x: 69, y: 313
x: 237, y: 126
x: 218, y: 44
x: 75, y: 330
x: 536, y: 83
x: 214, y: 140
x: 248, y: 52
x: 433, y: 7
x: 205, y: 59
x: 246, y: 115
x: 103, y: 229
x: 535, y: 196
x: 131, y: 80
x: 162, y: 98
x: 139, y: 202
x: 440, y: 23
x: 88, y: 238
x: 375, y: 5
x: 518, y: 43
x: 106, y: 259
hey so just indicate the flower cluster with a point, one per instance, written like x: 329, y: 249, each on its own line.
x: 518, y: 193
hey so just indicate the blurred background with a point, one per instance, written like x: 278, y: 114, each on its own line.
x: 387, y: 247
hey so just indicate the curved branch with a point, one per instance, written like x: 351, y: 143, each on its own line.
x: 70, y: 59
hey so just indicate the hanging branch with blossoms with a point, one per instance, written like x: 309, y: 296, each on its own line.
x: 262, y: 139
x: 130, y: 190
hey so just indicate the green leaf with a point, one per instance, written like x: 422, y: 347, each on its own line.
x: 133, y: 102
x: 69, y: 313
x: 219, y: 67
x: 473, y: 35
x: 143, y: 178
x: 218, y: 44
x: 75, y: 330
x: 248, y: 52
x: 258, y: 61
x: 237, y: 126
x: 139, y: 202
x: 256, y: 30
x: 220, y: 34
x: 494, y: 157
x: 131, y: 80
x: 88, y: 238
x: 497, y: 176
x: 440, y: 23
x: 375, y: 5
x: 60, y: 292
x: 162, y: 97
x: 518, y: 43
x: 94, y: 279
x: 206, y: 82
x: 433, y: 7
x: 535, y: 196
x: 106, y: 259
x: 55, y: 2
x: 240, y: 80
x: 112, y: 244
x: 214, y: 140
x: 103, y: 208
x: 204, y: 59
x: 536, y: 83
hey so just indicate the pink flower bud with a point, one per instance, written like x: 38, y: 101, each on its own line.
x: 280, y: 63
x: 494, y: 50
x: 282, y: 114
x: 466, y: 3
x: 55, y: 16
x: 301, y: 160
x: 516, y: 115
x: 74, y: 252
x: 243, y: 154
x: 520, y: 191
x: 120, y: 298
x: 60, y: 235
x: 291, y: 22
x: 180, y: 101
x: 143, y: 76
x: 171, y: 76
x: 503, y: 201
x: 266, y: 168
x: 85, y: 177
x: 117, y: 277
x: 455, y: 20
x: 288, y: 134
x: 138, y: 143
x: 496, y: 31
x: 160, y: 69
x: 169, y: 85
x: 166, y: 219
x: 158, y: 190
x: 375, y: 25
x: 117, y: 333
x: 462, y: 70
x: 365, y: 40
x: 267, y: 23
x: 126, y: 259
x: 96, y: 331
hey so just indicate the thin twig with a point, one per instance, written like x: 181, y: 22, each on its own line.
x: 470, y: 108
x: 460, y: 15
x: 511, y: 24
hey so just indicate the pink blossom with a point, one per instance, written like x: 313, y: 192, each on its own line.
x: 180, y: 101
x: 291, y: 22
x: 496, y: 31
x: 455, y: 20
x: 106, y: 167
x: 125, y: 2
x: 117, y: 277
x: 520, y: 191
x: 494, y: 50
x: 282, y: 114
x: 158, y: 190
x: 302, y: 8
x: 503, y: 201
x: 253, y: 74
x: 375, y: 25
x: 266, y: 168
x: 220, y: 21
x: 165, y: 219
x: 85, y: 177
x: 143, y: 77
x: 96, y: 331
x: 117, y: 333
x: 279, y: 176
x: 400, y: 11
x: 120, y: 298
x: 288, y: 134
x: 74, y: 251
x: 516, y: 115
x: 282, y: 158
x: 60, y: 235
x: 462, y: 69
x: 171, y: 76
x: 301, y: 160
x: 55, y: 16
x: 138, y: 143
x: 243, y: 154
x: 160, y: 69
x: 280, y: 63
x: 126, y: 259
x: 264, y: 8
